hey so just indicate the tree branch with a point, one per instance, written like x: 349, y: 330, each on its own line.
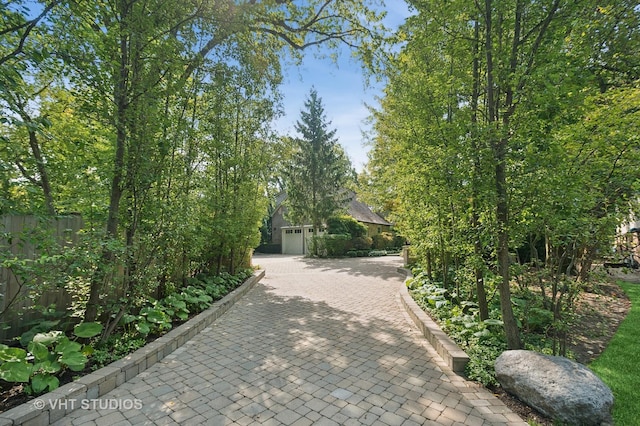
x: 29, y: 25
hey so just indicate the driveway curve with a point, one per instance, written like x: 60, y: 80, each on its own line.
x: 316, y: 342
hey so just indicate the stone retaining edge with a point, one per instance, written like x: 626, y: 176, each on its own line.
x: 65, y: 399
x: 451, y: 353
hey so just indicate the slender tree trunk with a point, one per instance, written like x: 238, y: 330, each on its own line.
x: 588, y: 255
x: 120, y: 97
x: 42, y: 171
x: 499, y: 144
x: 43, y: 182
x: 483, y: 306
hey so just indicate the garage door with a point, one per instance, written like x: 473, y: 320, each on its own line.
x: 292, y: 241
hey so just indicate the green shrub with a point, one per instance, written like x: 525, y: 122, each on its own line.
x: 483, y: 341
x: 47, y: 356
x: 196, y: 298
x: 362, y: 243
x: 482, y: 357
x: 330, y: 245
x: 151, y: 319
x: 175, y: 306
x: 116, y: 347
x: 383, y: 241
x: 346, y: 225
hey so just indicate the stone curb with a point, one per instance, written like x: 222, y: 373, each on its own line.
x: 451, y: 353
x: 53, y: 406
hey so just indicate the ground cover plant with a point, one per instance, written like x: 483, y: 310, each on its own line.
x: 596, y: 313
x: 50, y: 357
x: 618, y: 366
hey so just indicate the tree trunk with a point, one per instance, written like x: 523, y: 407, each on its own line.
x: 42, y: 171
x: 120, y: 97
x: 429, y: 265
x: 483, y: 306
x: 499, y: 145
x: 502, y: 217
x: 34, y: 144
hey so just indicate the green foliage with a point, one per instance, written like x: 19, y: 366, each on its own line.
x: 544, y: 305
x: 483, y: 341
x: 330, y: 245
x: 156, y: 317
x: 175, y: 306
x: 482, y: 357
x: 116, y: 347
x: 480, y: 149
x: 87, y: 330
x: 384, y: 241
x: 427, y: 293
x: 47, y: 356
x: 151, y: 319
x: 317, y: 172
x: 345, y: 224
x: 362, y: 243
x: 346, y: 237
x: 196, y: 298
x: 617, y: 365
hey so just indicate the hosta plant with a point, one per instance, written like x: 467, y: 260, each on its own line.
x: 46, y: 357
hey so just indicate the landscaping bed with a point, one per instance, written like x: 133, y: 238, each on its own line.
x: 600, y: 314
x: 162, y: 341
x: 599, y: 310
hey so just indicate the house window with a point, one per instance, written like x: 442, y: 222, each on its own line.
x: 288, y: 231
x: 298, y: 231
x: 379, y: 230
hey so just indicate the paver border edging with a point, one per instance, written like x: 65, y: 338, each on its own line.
x: 53, y: 406
x: 450, y: 352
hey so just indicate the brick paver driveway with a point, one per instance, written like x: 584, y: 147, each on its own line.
x: 321, y: 342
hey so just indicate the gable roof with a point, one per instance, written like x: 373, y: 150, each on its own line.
x: 362, y: 213
x: 356, y: 209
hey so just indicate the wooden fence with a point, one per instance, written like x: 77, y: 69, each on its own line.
x: 18, y: 240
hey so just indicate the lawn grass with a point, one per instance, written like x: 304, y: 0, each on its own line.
x: 618, y: 365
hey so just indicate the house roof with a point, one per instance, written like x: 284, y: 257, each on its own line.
x: 362, y: 213
x: 356, y: 209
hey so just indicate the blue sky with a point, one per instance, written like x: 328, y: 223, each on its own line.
x: 342, y: 88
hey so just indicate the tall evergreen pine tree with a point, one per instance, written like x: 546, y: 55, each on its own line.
x: 319, y: 169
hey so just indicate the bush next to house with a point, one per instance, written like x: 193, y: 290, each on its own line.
x: 346, y: 225
x: 344, y: 236
x: 331, y: 245
x: 382, y: 241
x: 387, y: 241
x: 362, y: 243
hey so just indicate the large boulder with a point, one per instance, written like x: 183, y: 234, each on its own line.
x: 557, y: 387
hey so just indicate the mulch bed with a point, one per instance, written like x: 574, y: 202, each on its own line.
x: 601, y: 310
